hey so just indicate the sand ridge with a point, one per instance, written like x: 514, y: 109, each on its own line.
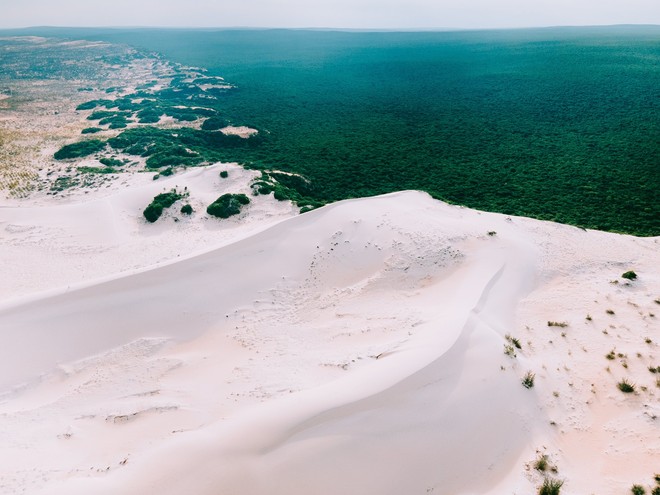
x: 346, y: 350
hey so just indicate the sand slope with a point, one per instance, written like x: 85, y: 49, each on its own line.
x: 355, y: 349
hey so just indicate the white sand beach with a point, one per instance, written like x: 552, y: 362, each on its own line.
x: 366, y: 347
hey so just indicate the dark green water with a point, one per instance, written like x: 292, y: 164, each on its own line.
x: 558, y: 124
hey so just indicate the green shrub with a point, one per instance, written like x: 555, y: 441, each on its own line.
x: 509, y: 350
x: 101, y: 114
x: 227, y: 205
x: 89, y: 105
x: 91, y: 130
x: 638, y: 490
x: 630, y: 275
x: 173, y: 155
x: 224, y: 174
x: 550, y: 487
x: 149, y: 115
x: 111, y: 162
x: 115, y: 121
x: 528, y: 380
x: 214, y: 123
x: 187, y: 209
x: 159, y: 203
x: 80, y: 149
x: 541, y: 463
x: 281, y: 193
x: 626, y: 387
x: 561, y: 324
x: 262, y: 187
x: 656, y: 491
x: 167, y: 172
x: 153, y: 212
x: 513, y: 341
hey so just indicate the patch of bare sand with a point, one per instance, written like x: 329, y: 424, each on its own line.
x: 347, y: 350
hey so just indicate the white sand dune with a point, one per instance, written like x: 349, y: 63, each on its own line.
x: 355, y: 349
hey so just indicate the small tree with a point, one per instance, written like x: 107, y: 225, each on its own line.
x: 630, y: 275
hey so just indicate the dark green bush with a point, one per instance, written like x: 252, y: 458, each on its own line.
x: 91, y: 130
x: 281, y: 193
x: 89, y: 105
x: 262, y: 187
x: 80, y: 149
x: 625, y: 386
x: 159, y: 203
x: 227, y: 205
x: 214, y: 123
x: 115, y: 122
x: 101, y: 114
x: 173, y: 155
x: 149, y: 115
x: 224, y: 174
x: 111, y: 162
x: 187, y: 209
x: 630, y: 275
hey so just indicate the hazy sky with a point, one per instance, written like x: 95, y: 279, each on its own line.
x: 328, y: 13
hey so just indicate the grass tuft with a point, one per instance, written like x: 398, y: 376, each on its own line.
x: 528, y: 380
x: 626, y: 387
x: 550, y: 487
x: 541, y: 463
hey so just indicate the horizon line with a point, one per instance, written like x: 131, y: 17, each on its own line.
x: 344, y: 29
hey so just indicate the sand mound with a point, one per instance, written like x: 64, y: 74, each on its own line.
x: 365, y: 347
